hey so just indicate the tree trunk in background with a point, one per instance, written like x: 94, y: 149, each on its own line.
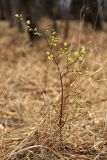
x: 2, y: 10
x: 16, y: 8
x: 105, y: 9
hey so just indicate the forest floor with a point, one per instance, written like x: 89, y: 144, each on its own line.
x: 30, y: 98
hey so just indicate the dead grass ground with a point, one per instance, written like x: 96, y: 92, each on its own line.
x: 29, y: 99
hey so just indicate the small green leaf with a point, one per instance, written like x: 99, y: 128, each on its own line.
x: 16, y: 15
x: 53, y: 39
x: 65, y: 48
x: 69, y: 60
x: 50, y: 55
x: 80, y: 53
x: 28, y: 22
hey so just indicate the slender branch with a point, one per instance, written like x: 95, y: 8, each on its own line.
x: 61, y: 90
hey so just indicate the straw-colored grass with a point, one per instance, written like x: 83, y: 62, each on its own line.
x: 30, y: 99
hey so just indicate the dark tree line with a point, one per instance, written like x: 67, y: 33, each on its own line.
x: 89, y: 10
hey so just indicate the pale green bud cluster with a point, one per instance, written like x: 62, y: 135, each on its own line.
x: 27, y: 25
x: 80, y: 53
x: 53, y: 39
x: 69, y: 60
x: 50, y: 55
x: 65, y: 48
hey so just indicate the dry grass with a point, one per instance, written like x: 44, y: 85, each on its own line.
x: 29, y: 100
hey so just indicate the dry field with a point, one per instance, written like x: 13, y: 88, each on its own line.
x: 30, y: 99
